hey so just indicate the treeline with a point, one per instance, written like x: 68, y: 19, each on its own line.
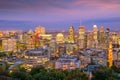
x: 41, y: 73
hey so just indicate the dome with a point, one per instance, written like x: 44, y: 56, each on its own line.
x: 60, y: 35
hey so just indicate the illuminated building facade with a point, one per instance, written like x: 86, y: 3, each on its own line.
x: 102, y: 34
x: 53, y: 47
x: 67, y: 63
x: 119, y: 42
x: 107, y: 35
x: 81, y: 39
x: 110, y: 55
x: 46, y: 36
x: 60, y: 38
x: 30, y: 42
x: 71, y: 48
x: 61, y: 49
x: 9, y: 44
x: 40, y: 30
x: 71, y: 35
x: 0, y: 44
x: 37, y: 56
x: 95, y: 36
x: 90, y: 40
x: 114, y: 38
x: 1, y: 34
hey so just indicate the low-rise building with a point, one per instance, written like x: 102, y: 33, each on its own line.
x: 37, y: 56
x: 117, y: 63
x: 67, y: 63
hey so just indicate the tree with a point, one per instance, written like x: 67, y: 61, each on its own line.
x: 104, y: 73
x: 76, y: 75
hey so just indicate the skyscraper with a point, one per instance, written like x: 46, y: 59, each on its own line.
x: 81, y: 39
x: 71, y: 35
x: 107, y: 35
x: 90, y: 40
x: 110, y: 55
x: 102, y: 34
x: 40, y: 30
x: 95, y: 35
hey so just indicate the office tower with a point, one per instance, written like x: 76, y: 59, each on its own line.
x: 90, y: 40
x: 40, y: 30
x: 102, y: 34
x: 81, y: 40
x: 107, y: 35
x: 9, y: 44
x: 114, y: 38
x: 95, y: 35
x: 110, y: 55
x: 71, y: 35
x: 30, y: 42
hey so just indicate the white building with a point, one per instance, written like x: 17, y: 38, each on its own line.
x: 37, y: 56
x: 67, y: 63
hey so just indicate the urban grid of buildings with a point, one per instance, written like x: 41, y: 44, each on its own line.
x: 61, y: 50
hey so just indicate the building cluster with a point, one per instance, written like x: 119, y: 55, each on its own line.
x: 63, y: 50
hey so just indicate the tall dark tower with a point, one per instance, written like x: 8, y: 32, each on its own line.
x: 107, y: 35
x: 102, y: 34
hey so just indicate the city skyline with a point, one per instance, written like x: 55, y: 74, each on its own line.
x: 59, y: 15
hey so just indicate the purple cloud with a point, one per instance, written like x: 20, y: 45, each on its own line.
x: 59, y: 11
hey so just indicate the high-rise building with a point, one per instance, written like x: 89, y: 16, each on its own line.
x: 102, y: 34
x: 81, y: 39
x: 71, y: 35
x: 9, y: 44
x: 30, y: 42
x: 95, y: 35
x: 90, y: 40
x: 40, y: 30
x: 114, y: 38
x: 110, y: 55
x: 1, y: 34
x: 107, y: 35
x: 119, y: 42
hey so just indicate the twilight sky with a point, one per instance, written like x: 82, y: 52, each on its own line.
x: 59, y: 14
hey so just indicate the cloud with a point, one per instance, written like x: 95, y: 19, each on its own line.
x: 58, y: 10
